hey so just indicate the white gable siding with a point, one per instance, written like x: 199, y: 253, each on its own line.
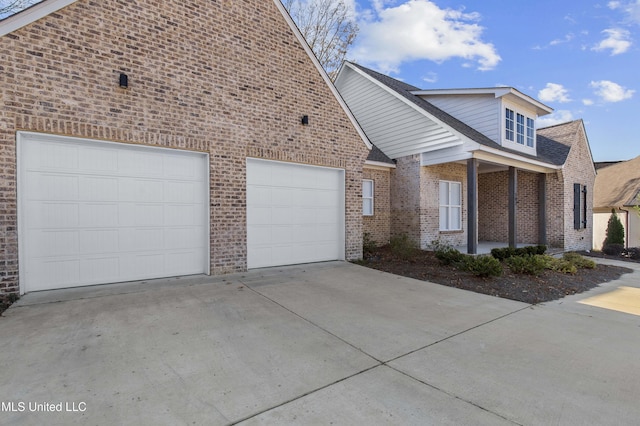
x: 393, y: 126
x: 481, y: 112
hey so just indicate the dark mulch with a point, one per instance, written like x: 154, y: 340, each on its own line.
x: 6, y: 300
x: 524, y: 288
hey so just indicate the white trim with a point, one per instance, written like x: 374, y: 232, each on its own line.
x: 32, y: 14
x: 378, y: 165
x: 323, y: 73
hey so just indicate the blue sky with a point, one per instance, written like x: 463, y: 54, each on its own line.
x: 580, y: 57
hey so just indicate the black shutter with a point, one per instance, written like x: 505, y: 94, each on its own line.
x: 577, y: 190
x: 584, y: 207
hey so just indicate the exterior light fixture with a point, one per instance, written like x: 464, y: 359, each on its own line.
x: 305, y: 120
x: 124, y: 81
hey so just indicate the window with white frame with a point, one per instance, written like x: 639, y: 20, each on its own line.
x: 519, y: 128
x: 450, y: 206
x: 367, y: 197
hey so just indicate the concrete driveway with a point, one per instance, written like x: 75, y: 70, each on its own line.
x: 330, y: 343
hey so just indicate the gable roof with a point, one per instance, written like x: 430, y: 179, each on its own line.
x: 618, y: 185
x: 549, y: 150
x: 47, y: 7
x: 497, y: 92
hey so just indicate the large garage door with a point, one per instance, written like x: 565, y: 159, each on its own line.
x: 97, y: 212
x: 295, y: 213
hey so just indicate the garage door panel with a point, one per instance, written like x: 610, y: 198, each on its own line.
x: 95, y: 241
x: 287, y: 219
x: 96, y: 212
x: 98, y: 215
x: 94, y: 188
x: 51, y: 187
x: 99, y: 269
x: 92, y: 160
x: 48, y: 215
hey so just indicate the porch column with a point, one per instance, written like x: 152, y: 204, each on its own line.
x: 513, y: 199
x: 542, y: 208
x: 472, y: 206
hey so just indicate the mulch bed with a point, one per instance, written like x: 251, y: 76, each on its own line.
x: 524, y: 288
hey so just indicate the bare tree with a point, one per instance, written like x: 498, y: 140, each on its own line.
x: 9, y: 7
x: 328, y: 26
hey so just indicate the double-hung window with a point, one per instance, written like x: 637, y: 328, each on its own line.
x: 530, y: 131
x: 450, y: 206
x: 520, y: 129
x: 367, y: 197
x: 510, y: 124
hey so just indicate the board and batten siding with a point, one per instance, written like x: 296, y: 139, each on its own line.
x: 481, y: 112
x: 393, y: 126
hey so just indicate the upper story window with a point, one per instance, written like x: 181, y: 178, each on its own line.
x: 519, y: 128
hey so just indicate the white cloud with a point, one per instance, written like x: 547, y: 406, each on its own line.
x: 554, y: 93
x: 558, y: 117
x: 587, y: 102
x: 618, y: 40
x: 419, y: 29
x: 567, y: 38
x: 630, y: 8
x: 431, y: 77
x: 609, y: 91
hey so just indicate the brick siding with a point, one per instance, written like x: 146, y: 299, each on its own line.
x: 227, y: 78
x: 378, y: 226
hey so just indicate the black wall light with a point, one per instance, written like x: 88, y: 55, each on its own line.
x: 124, y: 81
x: 305, y: 120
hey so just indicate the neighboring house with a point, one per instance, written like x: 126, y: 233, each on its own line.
x: 617, y: 187
x: 470, y: 165
x: 145, y: 139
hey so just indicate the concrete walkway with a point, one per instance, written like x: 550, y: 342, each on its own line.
x: 330, y: 343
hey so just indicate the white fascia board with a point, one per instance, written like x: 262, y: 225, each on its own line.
x: 31, y: 14
x: 512, y: 159
x: 323, y: 73
x: 462, y: 137
x: 378, y: 165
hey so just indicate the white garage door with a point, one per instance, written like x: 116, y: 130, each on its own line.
x: 97, y: 212
x: 295, y: 213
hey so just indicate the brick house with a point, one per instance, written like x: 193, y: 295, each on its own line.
x: 470, y: 166
x: 617, y: 187
x: 151, y: 139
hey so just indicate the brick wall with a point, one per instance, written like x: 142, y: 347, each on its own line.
x: 379, y: 225
x: 227, y: 78
x: 578, y: 169
x: 405, y: 200
x: 430, y: 204
x: 493, y: 207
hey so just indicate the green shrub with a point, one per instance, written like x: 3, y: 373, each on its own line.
x: 449, y: 256
x: 579, y: 261
x: 615, y: 230
x: 503, y: 253
x: 403, y: 247
x: 368, y: 245
x: 507, y: 252
x: 482, y: 266
x: 561, y: 265
x: 532, y: 265
x: 613, y: 249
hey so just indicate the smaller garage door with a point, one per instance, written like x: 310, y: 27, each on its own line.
x: 295, y: 213
x: 94, y: 212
